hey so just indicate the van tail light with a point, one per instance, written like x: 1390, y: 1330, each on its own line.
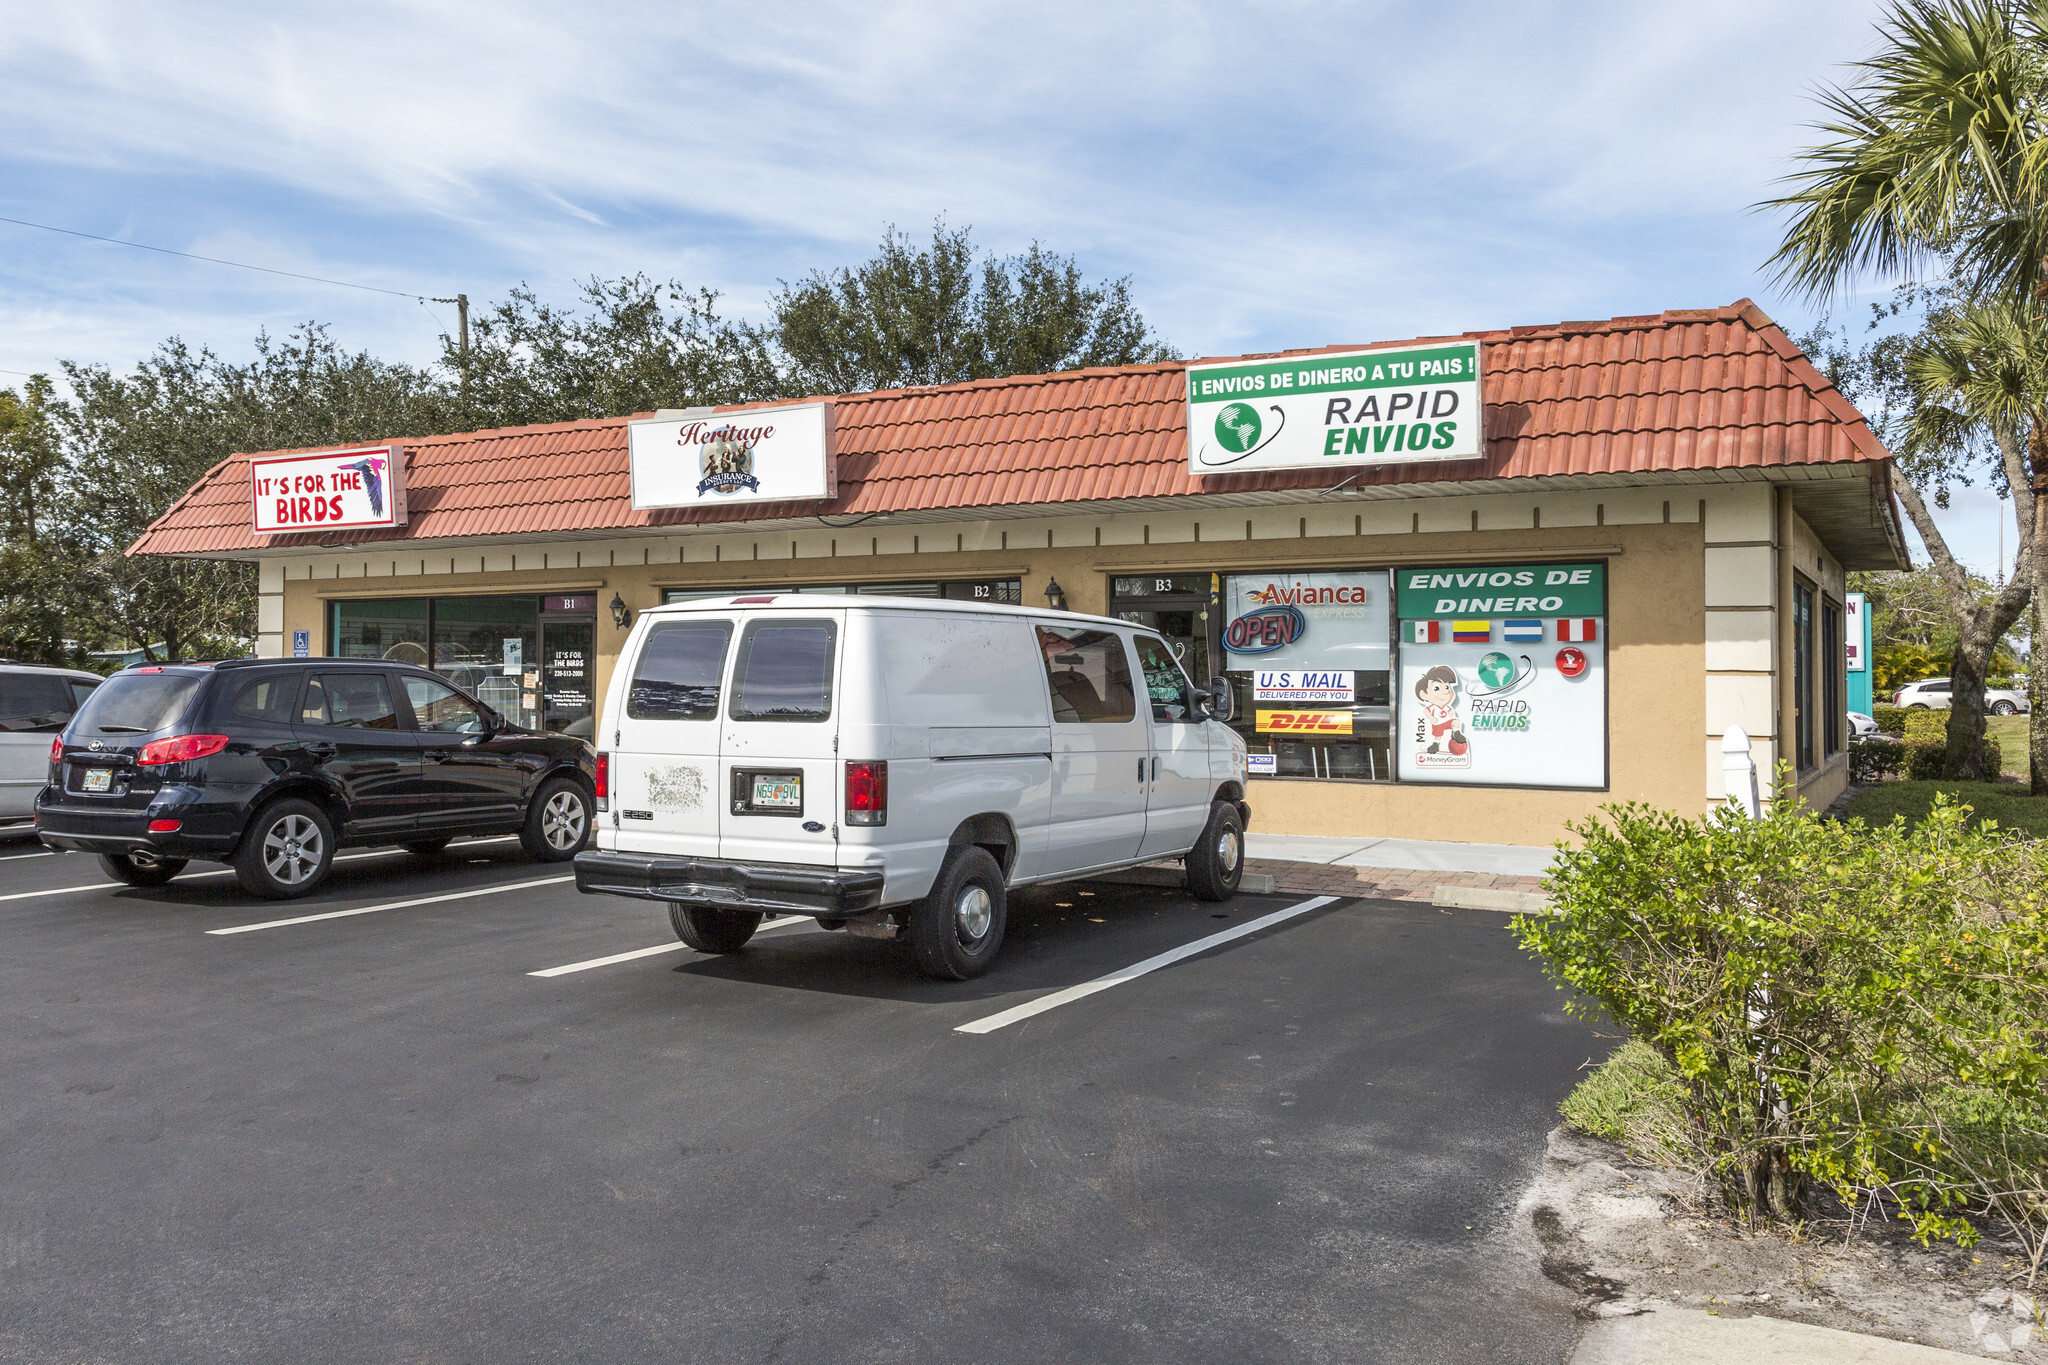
x: 180, y: 749
x: 867, y: 793
x: 57, y: 749
x: 604, y: 782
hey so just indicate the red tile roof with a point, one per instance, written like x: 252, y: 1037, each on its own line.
x: 1705, y: 389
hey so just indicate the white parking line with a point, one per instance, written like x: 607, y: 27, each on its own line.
x: 1137, y: 969
x: 229, y: 872
x: 395, y: 905
x: 794, y: 922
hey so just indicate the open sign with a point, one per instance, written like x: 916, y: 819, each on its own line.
x: 1268, y: 628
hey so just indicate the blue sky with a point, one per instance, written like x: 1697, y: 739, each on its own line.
x: 1268, y: 174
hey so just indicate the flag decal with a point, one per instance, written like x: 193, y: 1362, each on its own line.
x: 1522, y: 632
x: 1472, y: 632
x: 1579, y: 630
x: 1425, y: 632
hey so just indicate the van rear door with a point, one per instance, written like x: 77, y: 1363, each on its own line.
x: 778, y: 751
x: 665, y: 793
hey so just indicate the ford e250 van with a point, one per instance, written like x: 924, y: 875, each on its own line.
x: 893, y: 767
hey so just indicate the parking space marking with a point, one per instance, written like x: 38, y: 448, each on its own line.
x: 395, y: 905
x: 1018, y: 1013
x: 229, y: 871
x: 794, y: 922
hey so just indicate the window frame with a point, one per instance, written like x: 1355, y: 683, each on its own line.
x: 725, y: 659
x: 1121, y: 639
x: 1802, y: 674
x: 1834, y: 659
x: 743, y: 654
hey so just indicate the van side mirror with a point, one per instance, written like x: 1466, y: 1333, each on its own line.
x: 1222, y: 702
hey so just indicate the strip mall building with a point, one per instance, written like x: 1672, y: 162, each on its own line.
x: 1636, y: 544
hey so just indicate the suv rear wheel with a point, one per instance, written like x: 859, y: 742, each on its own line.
x: 956, y: 930
x: 124, y: 867
x: 287, y: 850
x: 709, y: 929
x: 557, y: 822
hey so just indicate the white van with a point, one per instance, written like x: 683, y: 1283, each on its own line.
x: 893, y: 766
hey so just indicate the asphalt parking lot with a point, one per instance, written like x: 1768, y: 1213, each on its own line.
x: 376, y: 1134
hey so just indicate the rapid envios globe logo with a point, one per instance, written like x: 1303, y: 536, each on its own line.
x: 1238, y: 427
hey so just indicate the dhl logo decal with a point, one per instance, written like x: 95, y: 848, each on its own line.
x: 1304, y: 722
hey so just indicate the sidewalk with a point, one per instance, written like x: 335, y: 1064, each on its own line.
x: 1471, y: 876
x: 1689, y: 1336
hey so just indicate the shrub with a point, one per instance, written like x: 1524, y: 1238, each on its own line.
x: 1891, y: 720
x: 1637, y: 1099
x: 1827, y: 995
x: 1877, y: 758
x: 1925, y: 725
x: 1924, y: 757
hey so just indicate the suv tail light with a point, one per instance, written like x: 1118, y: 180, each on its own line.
x: 57, y: 749
x: 180, y: 748
x: 867, y: 793
x: 604, y: 782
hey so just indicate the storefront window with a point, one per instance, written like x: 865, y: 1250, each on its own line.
x: 1176, y: 606
x: 490, y: 648
x: 1802, y: 672
x: 388, y: 629
x: 1309, y: 656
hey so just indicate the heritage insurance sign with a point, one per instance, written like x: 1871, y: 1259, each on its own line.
x: 717, y: 459
x: 1396, y: 406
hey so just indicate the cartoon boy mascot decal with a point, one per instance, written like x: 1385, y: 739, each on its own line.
x: 1439, y: 739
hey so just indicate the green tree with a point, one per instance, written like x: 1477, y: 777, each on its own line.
x: 941, y: 314
x: 632, y: 346
x: 134, y: 443
x: 33, y: 588
x: 1904, y: 382
x: 1937, y: 151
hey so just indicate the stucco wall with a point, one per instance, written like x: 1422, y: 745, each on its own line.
x: 1668, y: 574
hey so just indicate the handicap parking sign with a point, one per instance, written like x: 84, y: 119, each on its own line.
x: 302, y: 644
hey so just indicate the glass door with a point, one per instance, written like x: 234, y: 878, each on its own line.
x: 1174, y: 605
x: 567, y: 706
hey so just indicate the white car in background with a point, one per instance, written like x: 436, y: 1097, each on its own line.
x: 36, y: 703
x: 1932, y: 694
x: 1861, y: 726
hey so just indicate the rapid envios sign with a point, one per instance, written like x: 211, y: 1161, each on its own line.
x: 1395, y: 406
x: 337, y: 490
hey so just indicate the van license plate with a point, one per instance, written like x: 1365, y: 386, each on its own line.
x: 778, y: 793
x: 98, y: 780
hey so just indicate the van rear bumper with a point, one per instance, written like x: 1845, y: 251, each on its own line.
x: 770, y: 888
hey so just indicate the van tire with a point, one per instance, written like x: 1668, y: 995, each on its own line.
x: 709, y: 929
x: 123, y: 868
x: 558, y: 822
x: 1215, y: 865
x: 956, y: 931
x: 269, y: 839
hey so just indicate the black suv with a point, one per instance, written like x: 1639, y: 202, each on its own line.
x: 270, y: 765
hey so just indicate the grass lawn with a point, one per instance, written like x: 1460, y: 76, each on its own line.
x: 2011, y: 734
x: 2010, y: 806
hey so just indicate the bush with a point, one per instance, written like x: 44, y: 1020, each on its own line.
x: 1637, y: 1099
x: 1891, y: 720
x: 1924, y: 757
x: 1877, y: 758
x: 1925, y: 725
x: 1829, y: 996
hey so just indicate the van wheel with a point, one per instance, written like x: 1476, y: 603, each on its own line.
x: 956, y: 930
x: 709, y: 929
x: 156, y: 872
x: 557, y: 821
x: 286, y: 850
x: 1216, y: 863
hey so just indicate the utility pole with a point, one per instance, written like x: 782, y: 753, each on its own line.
x: 461, y: 302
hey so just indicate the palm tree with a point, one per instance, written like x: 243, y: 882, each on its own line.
x: 1937, y: 154
x: 1977, y: 368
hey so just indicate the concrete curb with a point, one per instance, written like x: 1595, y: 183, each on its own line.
x: 1252, y: 884
x: 1488, y: 898
x: 1666, y: 1335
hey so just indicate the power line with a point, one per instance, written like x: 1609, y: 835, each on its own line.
x: 215, y: 260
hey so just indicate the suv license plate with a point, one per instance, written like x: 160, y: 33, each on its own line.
x: 97, y: 780
x: 778, y: 793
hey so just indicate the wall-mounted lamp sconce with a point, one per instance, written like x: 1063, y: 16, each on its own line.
x: 622, y: 616
x: 1055, y: 595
